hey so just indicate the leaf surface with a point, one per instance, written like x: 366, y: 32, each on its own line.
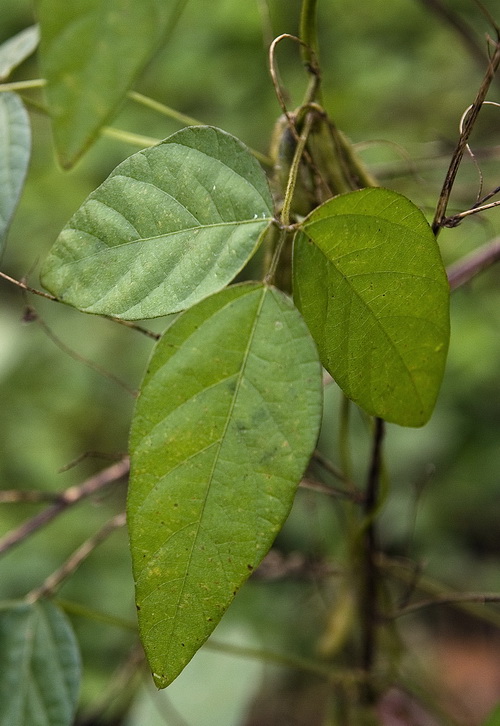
x: 15, y: 50
x: 225, y: 424
x: 171, y: 225
x: 15, y: 148
x: 370, y: 282
x: 39, y: 666
x: 91, y: 52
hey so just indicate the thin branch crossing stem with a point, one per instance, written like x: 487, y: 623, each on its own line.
x: 68, y: 498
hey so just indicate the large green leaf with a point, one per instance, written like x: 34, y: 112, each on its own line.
x: 15, y: 50
x: 227, y: 418
x: 91, y: 52
x: 15, y: 147
x: 369, y: 280
x: 171, y: 225
x: 39, y: 666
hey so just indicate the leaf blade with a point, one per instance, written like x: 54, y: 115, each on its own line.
x: 15, y: 50
x: 172, y: 224
x: 15, y: 149
x: 369, y: 280
x: 39, y: 668
x: 216, y: 461
x: 91, y: 51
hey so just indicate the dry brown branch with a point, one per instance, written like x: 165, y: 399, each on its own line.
x: 67, y: 499
x: 55, y: 580
x: 465, y: 269
x: 465, y: 133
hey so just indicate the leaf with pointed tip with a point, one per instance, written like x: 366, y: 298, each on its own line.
x: 15, y: 148
x: 39, y: 666
x: 226, y: 421
x: 15, y: 50
x: 171, y: 225
x: 91, y: 52
x: 370, y: 283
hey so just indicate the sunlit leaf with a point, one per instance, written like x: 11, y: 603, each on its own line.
x: 39, y: 666
x: 15, y: 147
x: 171, y: 225
x: 15, y: 50
x: 226, y: 421
x: 369, y: 280
x: 91, y: 53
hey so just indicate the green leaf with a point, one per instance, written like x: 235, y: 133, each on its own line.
x: 15, y: 147
x: 225, y: 424
x: 15, y: 50
x: 370, y: 282
x: 91, y: 52
x: 39, y: 666
x: 171, y: 225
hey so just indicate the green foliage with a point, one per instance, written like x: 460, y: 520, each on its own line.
x: 369, y: 280
x: 15, y: 145
x: 171, y: 225
x: 226, y: 422
x: 494, y: 718
x: 39, y: 666
x: 90, y: 59
x: 15, y: 50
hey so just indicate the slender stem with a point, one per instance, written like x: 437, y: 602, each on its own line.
x: 184, y: 119
x: 468, y: 267
x: 68, y: 568
x: 466, y: 131
x: 336, y: 676
x: 128, y: 137
x: 455, y: 598
x: 23, y: 85
x: 67, y: 499
x: 309, y: 47
x: 47, y: 296
x: 75, y: 608
x: 332, y: 491
x: 294, y: 169
x: 24, y: 286
x: 34, y: 316
x: 369, y: 615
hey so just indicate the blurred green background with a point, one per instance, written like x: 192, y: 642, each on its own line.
x: 396, y: 80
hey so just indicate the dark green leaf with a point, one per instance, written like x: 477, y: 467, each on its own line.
x: 39, y: 666
x: 226, y: 421
x: 170, y: 226
x: 15, y: 50
x: 15, y: 147
x: 91, y: 52
x: 369, y: 280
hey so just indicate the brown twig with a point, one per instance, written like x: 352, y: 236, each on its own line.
x: 332, y: 491
x: 31, y: 315
x: 468, y: 267
x: 27, y: 288
x: 67, y: 499
x: 466, y: 131
x: 55, y: 580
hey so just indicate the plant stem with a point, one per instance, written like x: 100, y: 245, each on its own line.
x: 68, y: 568
x: 184, y: 119
x: 67, y: 499
x: 128, y: 137
x: 23, y: 85
x: 468, y: 125
x: 368, y: 594
x: 468, y: 267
